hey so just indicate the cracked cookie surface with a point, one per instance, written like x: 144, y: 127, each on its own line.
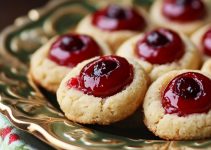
x: 172, y: 126
x: 88, y: 109
x: 189, y: 60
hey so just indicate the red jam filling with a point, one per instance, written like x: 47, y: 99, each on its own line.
x: 186, y: 94
x: 114, y: 18
x: 184, y: 10
x: 206, y: 43
x: 103, y: 77
x: 160, y: 46
x: 71, y: 49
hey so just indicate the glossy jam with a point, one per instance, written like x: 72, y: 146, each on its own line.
x: 184, y: 10
x: 114, y: 18
x: 160, y: 46
x: 71, y: 49
x: 206, y: 43
x: 186, y: 94
x: 103, y: 77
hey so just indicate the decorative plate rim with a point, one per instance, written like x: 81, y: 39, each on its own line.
x: 33, y: 128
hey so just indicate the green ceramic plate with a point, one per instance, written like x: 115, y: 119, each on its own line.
x: 36, y: 110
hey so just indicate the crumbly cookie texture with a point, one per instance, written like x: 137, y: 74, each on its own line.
x: 87, y: 109
x: 46, y: 72
x: 187, y: 28
x: 197, y: 37
x: 190, y: 59
x: 170, y: 126
x: 115, y: 38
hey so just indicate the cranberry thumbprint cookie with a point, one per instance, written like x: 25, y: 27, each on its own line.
x: 181, y: 15
x: 102, y: 90
x: 160, y: 51
x: 114, y: 24
x: 54, y: 60
x: 177, y: 106
x: 202, y: 39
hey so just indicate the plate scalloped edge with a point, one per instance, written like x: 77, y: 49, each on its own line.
x: 17, y: 95
x: 31, y: 127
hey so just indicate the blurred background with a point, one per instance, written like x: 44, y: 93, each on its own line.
x: 11, y: 9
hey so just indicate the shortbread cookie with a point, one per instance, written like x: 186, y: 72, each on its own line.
x: 201, y: 38
x: 114, y: 24
x: 182, y: 15
x: 177, y: 106
x: 160, y: 51
x: 55, y: 59
x: 102, y: 90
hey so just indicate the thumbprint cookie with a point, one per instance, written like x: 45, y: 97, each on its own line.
x: 102, y: 90
x: 202, y: 39
x: 182, y: 15
x: 177, y: 105
x: 114, y: 24
x: 161, y: 50
x: 55, y: 59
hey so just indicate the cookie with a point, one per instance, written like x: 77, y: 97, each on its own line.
x: 177, y: 106
x: 102, y: 90
x: 114, y: 24
x: 183, y: 16
x: 201, y: 39
x: 50, y: 63
x: 161, y: 50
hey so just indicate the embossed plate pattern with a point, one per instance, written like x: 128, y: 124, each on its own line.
x: 23, y: 103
